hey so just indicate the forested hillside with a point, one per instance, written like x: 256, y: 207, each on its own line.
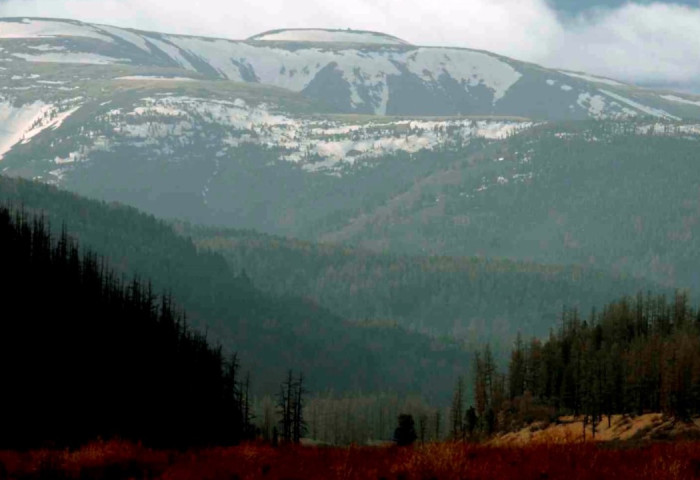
x: 85, y: 355
x: 270, y: 332
x: 471, y: 298
x: 614, y: 196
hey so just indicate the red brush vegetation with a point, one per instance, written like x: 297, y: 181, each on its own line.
x: 119, y: 460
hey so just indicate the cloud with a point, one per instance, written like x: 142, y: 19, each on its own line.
x: 657, y: 43
x: 654, y: 43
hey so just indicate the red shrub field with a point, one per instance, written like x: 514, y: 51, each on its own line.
x: 448, y: 461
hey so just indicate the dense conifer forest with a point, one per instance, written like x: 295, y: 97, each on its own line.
x: 477, y: 299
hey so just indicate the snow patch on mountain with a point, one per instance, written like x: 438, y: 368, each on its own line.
x: 19, y: 124
x: 592, y: 78
x: 71, y: 158
x: 604, y: 104
x: 674, y: 98
x: 316, y: 145
x: 15, y: 121
x: 130, y: 37
x: 53, y: 120
x: 363, y: 70
x: 465, y: 66
x: 173, y: 52
x: 156, y: 78
x: 690, y: 129
x: 374, y: 140
x: 31, y: 28
x: 46, y: 48
x: 320, y: 35
x: 594, y: 104
x: 167, y: 123
x: 655, y: 112
x: 69, y: 57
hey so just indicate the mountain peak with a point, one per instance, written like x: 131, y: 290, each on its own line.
x: 322, y: 35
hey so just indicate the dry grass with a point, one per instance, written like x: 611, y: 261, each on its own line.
x: 448, y: 461
x: 650, y: 426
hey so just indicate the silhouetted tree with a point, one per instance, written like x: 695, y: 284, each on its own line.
x: 471, y: 421
x: 290, y: 408
x: 405, y: 433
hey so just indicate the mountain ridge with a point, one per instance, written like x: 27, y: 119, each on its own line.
x: 396, y: 79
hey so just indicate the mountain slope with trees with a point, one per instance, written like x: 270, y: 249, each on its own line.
x: 472, y: 298
x: 609, y: 195
x: 85, y: 355
x: 270, y: 332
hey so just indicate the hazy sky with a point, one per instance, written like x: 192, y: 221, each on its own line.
x: 645, y: 43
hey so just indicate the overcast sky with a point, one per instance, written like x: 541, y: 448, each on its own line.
x: 652, y: 43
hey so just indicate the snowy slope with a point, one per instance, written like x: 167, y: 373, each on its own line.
x: 172, y: 147
x: 164, y: 124
x: 19, y: 124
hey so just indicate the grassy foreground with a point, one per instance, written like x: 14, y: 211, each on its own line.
x: 448, y: 461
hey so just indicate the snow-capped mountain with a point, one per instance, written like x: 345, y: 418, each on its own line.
x: 349, y: 71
